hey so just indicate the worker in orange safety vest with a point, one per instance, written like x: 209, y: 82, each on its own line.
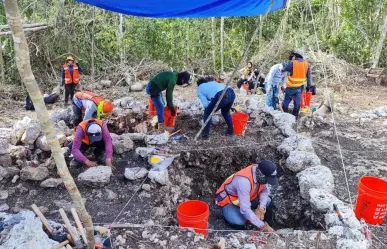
x: 70, y: 77
x: 91, y: 104
x: 91, y: 133
x: 299, y: 73
x: 245, y: 191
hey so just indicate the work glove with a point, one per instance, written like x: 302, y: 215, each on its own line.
x: 173, y: 111
x: 260, y: 212
x: 266, y: 228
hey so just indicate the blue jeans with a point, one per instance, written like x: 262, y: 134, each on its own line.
x: 158, y: 102
x: 270, y: 97
x: 225, y: 107
x: 233, y: 215
x: 289, y: 94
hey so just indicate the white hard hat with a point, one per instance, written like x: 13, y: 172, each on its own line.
x: 94, y: 132
x: 300, y: 52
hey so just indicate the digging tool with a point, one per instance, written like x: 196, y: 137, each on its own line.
x: 79, y: 225
x: 60, y: 245
x: 42, y: 218
x: 74, y: 235
x: 347, y: 230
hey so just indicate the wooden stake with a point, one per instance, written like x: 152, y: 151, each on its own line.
x: 68, y: 225
x: 42, y: 218
x: 79, y: 224
x: 60, y: 245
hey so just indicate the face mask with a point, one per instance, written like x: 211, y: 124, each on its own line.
x: 261, y: 178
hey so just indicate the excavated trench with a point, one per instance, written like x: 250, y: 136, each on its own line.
x: 209, y: 162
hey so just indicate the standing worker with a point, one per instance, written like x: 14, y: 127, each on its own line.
x: 299, y: 73
x: 92, y: 133
x: 165, y: 81
x: 275, y: 80
x: 245, y: 191
x: 93, y: 105
x: 70, y: 77
x: 209, y: 93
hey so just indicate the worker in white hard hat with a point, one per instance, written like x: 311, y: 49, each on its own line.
x: 300, y: 74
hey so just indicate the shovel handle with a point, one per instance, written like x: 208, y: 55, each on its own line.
x: 338, y: 212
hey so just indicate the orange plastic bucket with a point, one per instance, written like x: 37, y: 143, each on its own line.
x: 151, y: 108
x: 371, y: 204
x: 239, y: 121
x: 246, y: 87
x: 169, y: 120
x: 308, y: 98
x: 193, y: 214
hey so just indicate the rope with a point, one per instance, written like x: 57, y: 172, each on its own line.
x: 330, y: 104
x: 233, y: 73
x: 127, y: 203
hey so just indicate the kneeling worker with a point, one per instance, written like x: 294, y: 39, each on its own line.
x: 93, y: 105
x: 92, y: 133
x: 245, y: 191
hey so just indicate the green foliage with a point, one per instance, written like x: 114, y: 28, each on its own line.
x: 348, y: 28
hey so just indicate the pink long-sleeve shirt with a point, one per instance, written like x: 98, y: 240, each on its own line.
x: 79, y: 134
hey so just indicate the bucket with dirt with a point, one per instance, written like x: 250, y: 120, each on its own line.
x: 371, y: 204
x: 169, y: 120
x: 194, y: 214
x: 239, y: 121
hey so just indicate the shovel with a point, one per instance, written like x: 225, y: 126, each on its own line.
x: 346, y: 229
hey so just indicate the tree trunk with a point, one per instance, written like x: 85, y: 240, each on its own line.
x: 2, y: 73
x: 120, y: 36
x: 380, y: 45
x: 187, y: 45
x: 260, y: 34
x: 92, y: 46
x: 213, y: 42
x: 221, y: 45
x: 23, y: 64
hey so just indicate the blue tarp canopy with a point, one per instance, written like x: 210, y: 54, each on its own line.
x: 188, y: 8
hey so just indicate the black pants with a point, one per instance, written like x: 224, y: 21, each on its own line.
x: 99, y: 150
x: 77, y: 112
x: 69, y: 91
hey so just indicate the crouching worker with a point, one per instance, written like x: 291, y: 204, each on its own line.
x: 165, y: 81
x: 92, y: 133
x: 209, y: 92
x: 91, y: 104
x: 244, y: 196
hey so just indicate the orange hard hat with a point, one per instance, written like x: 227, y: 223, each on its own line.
x: 107, y: 106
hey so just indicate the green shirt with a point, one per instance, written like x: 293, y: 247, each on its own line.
x: 166, y: 81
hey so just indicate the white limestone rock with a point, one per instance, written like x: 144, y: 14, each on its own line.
x: 160, y: 177
x: 34, y: 174
x: 135, y: 173
x: 144, y: 151
x: 31, y: 133
x: 121, y: 143
x: 319, y: 177
x: 296, y: 142
x: 323, y: 201
x: 159, y: 139
x: 27, y: 234
x: 96, y: 176
x: 51, y: 183
x: 300, y: 160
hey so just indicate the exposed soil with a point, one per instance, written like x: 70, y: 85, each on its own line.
x: 208, y: 163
